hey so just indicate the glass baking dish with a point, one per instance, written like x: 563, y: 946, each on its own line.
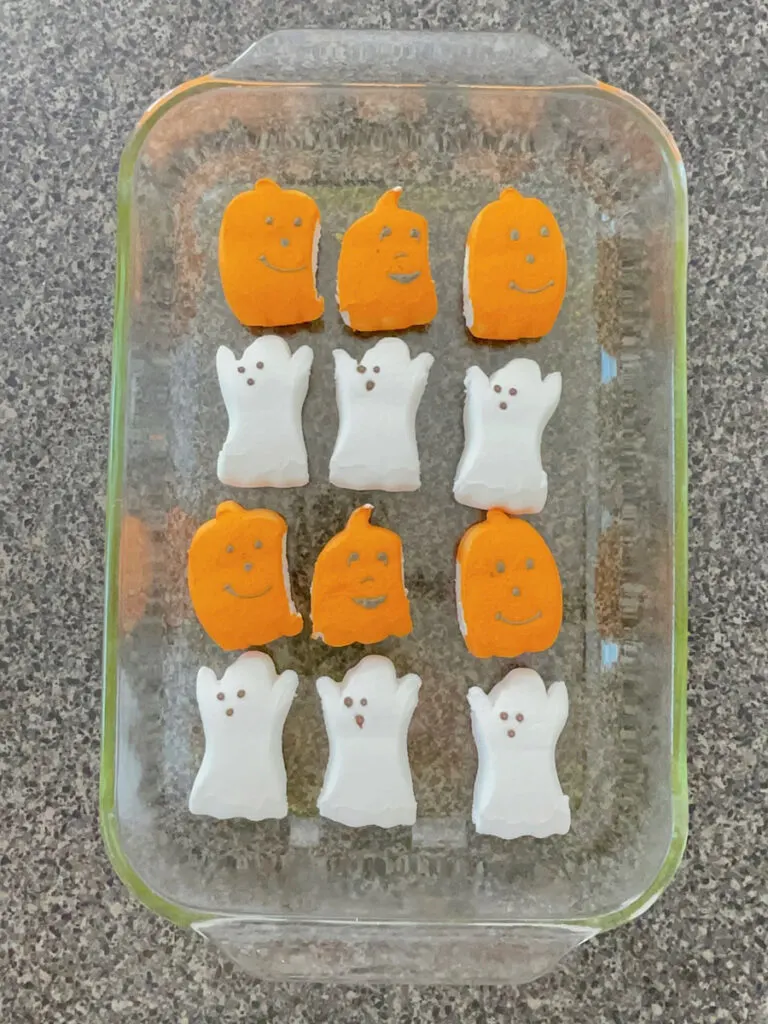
x: 452, y: 118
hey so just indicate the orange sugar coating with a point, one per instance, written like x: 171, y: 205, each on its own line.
x: 358, y: 592
x: 238, y: 580
x: 268, y: 244
x: 516, y: 269
x: 384, y: 279
x: 508, y: 588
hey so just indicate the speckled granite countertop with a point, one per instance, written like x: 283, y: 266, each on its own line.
x: 75, y: 945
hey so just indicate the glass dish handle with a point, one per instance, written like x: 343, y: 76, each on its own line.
x: 427, y: 58
x: 392, y: 953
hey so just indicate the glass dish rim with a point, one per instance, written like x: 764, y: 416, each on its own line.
x: 188, y: 916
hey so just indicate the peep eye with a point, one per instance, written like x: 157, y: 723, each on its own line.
x: 347, y: 702
x: 544, y: 232
x: 385, y: 232
x: 298, y: 222
x: 514, y: 235
x: 382, y: 557
x: 353, y: 557
x: 529, y: 563
x: 500, y: 566
x: 257, y: 544
x: 364, y: 702
x: 229, y: 549
x: 415, y: 233
x: 269, y: 220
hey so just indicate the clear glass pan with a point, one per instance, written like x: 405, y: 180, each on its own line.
x: 452, y: 118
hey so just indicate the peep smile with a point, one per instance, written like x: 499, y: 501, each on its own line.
x: 280, y: 270
x: 531, y: 291
x: 246, y: 597
x: 517, y: 622
x: 405, y: 278
x: 370, y: 602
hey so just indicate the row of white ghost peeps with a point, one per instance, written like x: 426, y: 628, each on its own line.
x: 378, y: 397
x: 368, y: 777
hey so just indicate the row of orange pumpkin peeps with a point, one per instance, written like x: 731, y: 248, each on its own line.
x: 515, y: 266
x: 508, y: 591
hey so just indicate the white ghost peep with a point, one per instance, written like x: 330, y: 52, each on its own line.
x: 516, y: 727
x: 264, y: 392
x: 242, y: 774
x: 504, y: 419
x: 378, y: 398
x: 368, y: 777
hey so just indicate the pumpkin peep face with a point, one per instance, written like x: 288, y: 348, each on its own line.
x: 515, y: 270
x: 384, y: 278
x: 358, y: 594
x: 238, y: 580
x: 268, y: 244
x: 508, y: 588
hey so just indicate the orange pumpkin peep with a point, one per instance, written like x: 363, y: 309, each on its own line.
x: 515, y: 269
x: 358, y: 593
x: 268, y: 244
x: 508, y: 588
x: 384, y: 280
x: 238, y: 579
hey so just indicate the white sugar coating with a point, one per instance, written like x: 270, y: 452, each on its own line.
x: 264, y: 393
x: 516, y: 727
x: 367, y: 715
x: 469, y: 309
x: 504, y: 419
x: 287, y: 574
x: 378, y: 397
x: 242, y: 774
x: 316, y: 255
x: 459, y: 605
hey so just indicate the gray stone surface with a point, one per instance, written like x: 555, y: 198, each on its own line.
x: 75, y: 945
